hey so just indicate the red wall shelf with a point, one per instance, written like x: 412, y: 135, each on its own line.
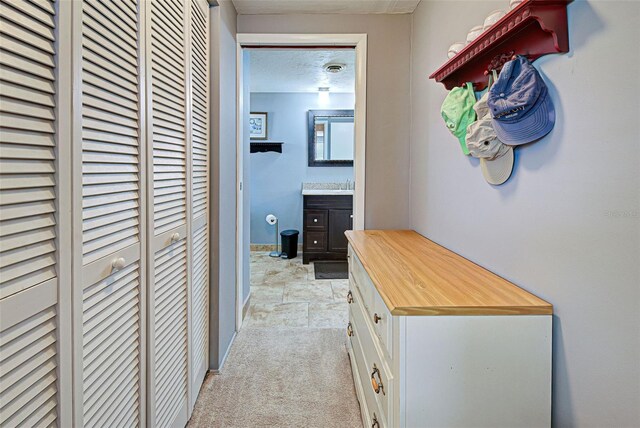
x: 534, y: 28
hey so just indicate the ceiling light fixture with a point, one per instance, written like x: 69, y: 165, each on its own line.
x: 323, y: 96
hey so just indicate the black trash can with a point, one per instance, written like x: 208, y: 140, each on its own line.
x: 289, y: 243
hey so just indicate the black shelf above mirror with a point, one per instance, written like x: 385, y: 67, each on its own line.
x: 263, y: 147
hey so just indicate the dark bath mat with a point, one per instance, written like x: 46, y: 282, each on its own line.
x: 331, y: 270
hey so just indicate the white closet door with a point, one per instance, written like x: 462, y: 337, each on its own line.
x: 199, y: 60
x: 27, y: 166
x: 28, y: 356
x: 29, y: 332
x: 111, y: 360
x: 169, y: 187
x: 109, y: 157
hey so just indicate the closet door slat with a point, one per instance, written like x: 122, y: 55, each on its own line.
x: 168, y: 85
x: 170, y: 333
x: 200, y: 303
x: 199, y: 157
x: 30, y: 389
x: 200, y: 114
x: 110, y: 172
x: 27, y: 147
x: 111, y: 138
x: 111, y: 359
x: 29, y: 356
x: 169, y: 210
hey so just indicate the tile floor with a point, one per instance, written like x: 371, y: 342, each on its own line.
x: 285, y: 293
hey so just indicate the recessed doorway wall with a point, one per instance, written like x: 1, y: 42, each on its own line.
x: 356, y: 41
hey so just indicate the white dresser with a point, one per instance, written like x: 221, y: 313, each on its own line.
x: 437, y: 341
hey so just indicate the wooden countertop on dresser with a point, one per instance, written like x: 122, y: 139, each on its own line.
x: 416, y: 276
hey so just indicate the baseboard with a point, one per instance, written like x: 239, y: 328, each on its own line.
x: 226, y: 354
x: 245, y: 306
x: 245, y: 309
x: 262, y: 247
x: 267, y: 247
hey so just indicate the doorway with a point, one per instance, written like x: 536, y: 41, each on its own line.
x: 356, y: 43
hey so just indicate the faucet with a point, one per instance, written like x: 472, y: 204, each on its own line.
x: 350, y: 185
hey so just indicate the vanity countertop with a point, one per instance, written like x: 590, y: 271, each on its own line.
x: 327, y: 192
x: 416, y: 276
x: 327, y: 188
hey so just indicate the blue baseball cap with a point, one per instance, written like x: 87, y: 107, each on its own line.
x: 519, y: 102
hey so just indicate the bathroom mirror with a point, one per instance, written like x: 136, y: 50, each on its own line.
x: 331, y: 137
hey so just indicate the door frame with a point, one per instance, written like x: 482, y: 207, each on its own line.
x: 359, y: 42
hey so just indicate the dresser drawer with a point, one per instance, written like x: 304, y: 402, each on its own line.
x: 376, y: 310
x: 358, y: 279
x: 316, y: 219
x: 382, y: 322
x: 370, y: 407
x: 315, y: 241
x: 375, y: 370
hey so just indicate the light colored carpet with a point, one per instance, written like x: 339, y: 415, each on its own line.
x: 281, y: 378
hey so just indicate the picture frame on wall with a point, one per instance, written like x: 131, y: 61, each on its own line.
x: 258, y: 125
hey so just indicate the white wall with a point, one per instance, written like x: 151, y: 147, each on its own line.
x: 388, y: 107
x: 566, y: 226
x: 223, y: 182
x: 246, y: 178
x: 276, y: 178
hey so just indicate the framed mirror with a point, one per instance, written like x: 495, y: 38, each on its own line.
x: 331, y: 137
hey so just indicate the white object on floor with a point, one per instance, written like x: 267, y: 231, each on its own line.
x: 273, y: 220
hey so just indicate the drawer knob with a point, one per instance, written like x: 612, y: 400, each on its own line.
x: 376, y: 384
x: 349, y: 330
x: 376, y: 318
x: 375, y: 423
x: 175, y: 237
x: 351, y: 216
x: 349, y: 297
x: 118, y: 263
x: 315, y: 242
x: 315, y: 220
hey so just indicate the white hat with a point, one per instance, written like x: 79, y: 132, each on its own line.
x: 481, y: 107
x: 496, y: 158
x: 498, y: 170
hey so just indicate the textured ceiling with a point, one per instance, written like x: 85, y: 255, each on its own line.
x: 255, y: 7
x: 299, y: 70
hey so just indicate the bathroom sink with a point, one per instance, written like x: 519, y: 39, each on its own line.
x: 345, y: 188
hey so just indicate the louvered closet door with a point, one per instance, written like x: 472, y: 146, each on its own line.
x: 168, y: 317
x: 28, y: 357
x: 110, y: 375
x: 199, y: 59
x: 29, y: 321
